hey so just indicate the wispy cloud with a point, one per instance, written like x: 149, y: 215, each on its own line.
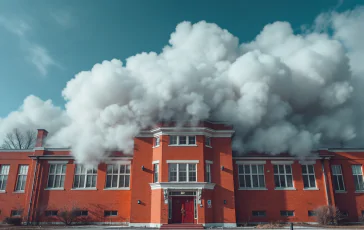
x: 63, y: 18
x: 35, y: 53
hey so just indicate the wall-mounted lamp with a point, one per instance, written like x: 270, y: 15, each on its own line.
x: 222, y: 168
x: 139, y: 202
x: 201, y: 205
x: 225, y: 202
x: 143, y: 167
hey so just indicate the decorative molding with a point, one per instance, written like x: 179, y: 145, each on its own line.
x: 186, y: 131
x: 182, y: 185
x: 209, y: 162
x: 304, y: 162
x: 155, y: 162
x: 251, y: 162
x: 282, y: 162
x: 57, y: 162
x: 252, y: 189
x: 117, y: 162
x: 274, y: 158
x: 16, y: 150
x: 183, y: 161
x: 39, y: 148
x: 57, y: 149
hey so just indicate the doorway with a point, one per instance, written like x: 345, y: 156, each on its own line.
x: 183, y: 209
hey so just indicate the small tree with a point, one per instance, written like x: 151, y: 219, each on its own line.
x: 328, y: 214
x: 68, y: 216
x: 19, y: 140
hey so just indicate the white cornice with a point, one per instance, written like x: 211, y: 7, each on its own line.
x: 16, y: 150
x: 251, y: 162
x: 274, y: 158
x: 184, y: 161
x: 182, y: 185
x: 186, y: 131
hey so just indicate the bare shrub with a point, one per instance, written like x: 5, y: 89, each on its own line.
x: 68, y: 216
x: 327, y: 215
x: 270, y: 225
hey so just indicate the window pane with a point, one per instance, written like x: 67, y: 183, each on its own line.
x: 305, y: 181
x: 254, y: 169
x: 288, y: 169
x: 52, y: 168
x: 261, y: 181
x: 122, y: 169
x: 191, y: 140
x: 281, y: 168
x: 114, y: 181
x: 172, y: 140
x: 247, y: 181
x: 127, y: 181
x: 50, y: 181
x: 57, y: 181
x: 310, y: 168
x: 108, y: 181
x: 122, y: 181
x: 127, y: 170
x: 289, y: 182
x: 312, y: 181
x: 191, y: 167
x: 241, y: 169
x: 282, y: 181
x: 255, y: 181
x: 275, y: 168
x: 241, y: 181
x: 182, y: 140
x: 304, y: 169
x: 276, y: 181
x: 247, y: 169
x: 182, y: 176
x: 76, y: 182
x: 260, y: 169
x: 82, y: 181
x: 192, y: 176
x: 58, y: 169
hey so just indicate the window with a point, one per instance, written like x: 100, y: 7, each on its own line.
x: 157, y: 141
x: 169, y: 208
x: 84, y: 178
x: 308, y: 174
x: 345, y: 213
x: 57, y: 173
x: 51, y: 213
x: 195, y: 209
x: 110, y: 213
x: 208, y: 141
x: 156, y: 173
x: 251, y: 176
x: 182, y: 140
x: 182, y: 173
x: 81, y: 213
x: 283, y: 176
x: 258, y: 213
x: 4, y: 172
x: 22, y: 177
x: 118, y: 176
x: 287, y: 213
x: 16, y: 212
x: 311, y: 213
x: 358, y: 177
x: 338, y: 178
x: 208, y: 173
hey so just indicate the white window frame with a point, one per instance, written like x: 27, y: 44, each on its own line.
x: 286, y: 211
x: 61, y: 175
x: 4, y: 174
x: 118, y: 174
x: 156, y: 173
x: 250, y: 175
x: 285, y: 174
x: 308, y: 174
x: 157, y: 141
x: 208, y: 172
x: 110, y: 213
x: 336, y: 174
x: 358, y: 177
x: 178, y: 171
x: 178, y: 140
x: 22, y: 173
x: 51, y: 213
x: 16, y: 213
x: 208, y: 141
x: 84, y: 174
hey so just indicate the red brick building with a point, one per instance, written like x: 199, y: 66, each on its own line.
x: 184, y: 175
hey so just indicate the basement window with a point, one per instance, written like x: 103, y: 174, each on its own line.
x: 287, y: 213
x: 81, y: 213
x: 51, y: 213
x: 259, y: 213
x: 110, y: 213
x: 311, y: 213
x: 16, y: 212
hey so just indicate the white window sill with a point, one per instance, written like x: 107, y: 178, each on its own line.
x: 313, y: 189
x: 59, y: 189
x: 182, y: 145
x: 84, y: 189
x: 2, y: 191
x: 340, y: 191
x: 116, y: 189
x: 19, y: 192
x: 359, y: 191
x: 156, y: 146
x: 285, y: 189
x: 253, y: 189
x: 208, y: 146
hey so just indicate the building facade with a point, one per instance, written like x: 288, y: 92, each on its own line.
x: 180, y: 175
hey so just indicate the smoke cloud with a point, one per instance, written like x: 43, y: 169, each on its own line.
x: 282, y: 92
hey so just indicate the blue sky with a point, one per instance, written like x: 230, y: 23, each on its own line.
x: 45, y: 43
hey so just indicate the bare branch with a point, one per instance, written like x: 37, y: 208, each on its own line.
x: 19, y: 140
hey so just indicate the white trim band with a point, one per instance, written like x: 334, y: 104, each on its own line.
x: 183, y: 161
x: 251, y: 162
x: 182, y: 185
x: 58, y: 162
x: 208, y: 162
x: 282, y: 162
x: 155, y: 162
x: 307, y: 162
x: 117, y: 162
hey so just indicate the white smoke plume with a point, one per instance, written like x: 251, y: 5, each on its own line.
x: 282, y: 92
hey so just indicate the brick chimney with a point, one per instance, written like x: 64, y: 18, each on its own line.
x: 41, y: 136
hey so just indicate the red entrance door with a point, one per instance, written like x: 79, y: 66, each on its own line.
x: 182, y: 209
